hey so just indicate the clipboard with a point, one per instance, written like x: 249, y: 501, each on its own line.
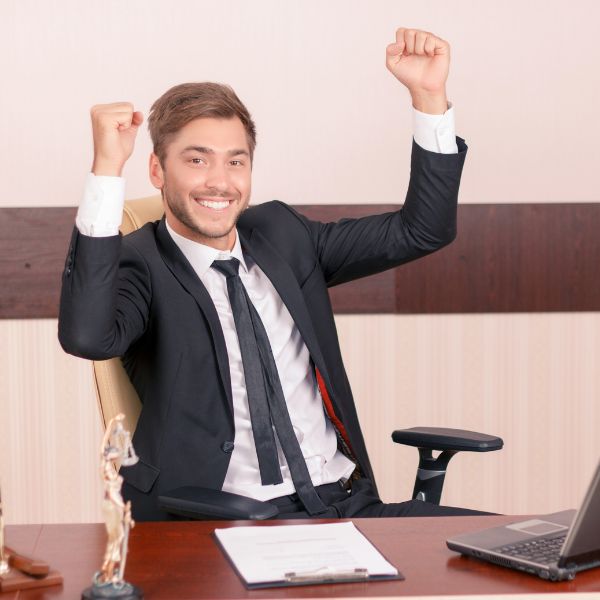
x: 260, y: 555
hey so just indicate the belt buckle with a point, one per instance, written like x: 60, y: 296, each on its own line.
x: 345, y: 483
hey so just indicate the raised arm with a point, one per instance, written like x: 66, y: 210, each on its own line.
x: 353, y: 248
x: 105, y: 288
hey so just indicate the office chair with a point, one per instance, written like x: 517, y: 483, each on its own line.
x: 116, y: 394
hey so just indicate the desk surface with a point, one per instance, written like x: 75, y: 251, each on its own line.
x: 180, y: 560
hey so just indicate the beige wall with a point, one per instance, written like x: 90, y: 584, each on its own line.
x: 532, y: 379
x: 334, y: 127
x: 333, y: 124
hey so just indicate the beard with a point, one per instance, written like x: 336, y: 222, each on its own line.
x: 182, y: 210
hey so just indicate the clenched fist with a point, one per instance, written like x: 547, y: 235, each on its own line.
x: 114, y: 128
x: 420, y: 60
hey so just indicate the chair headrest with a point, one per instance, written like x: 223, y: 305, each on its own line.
x: 137, y: 213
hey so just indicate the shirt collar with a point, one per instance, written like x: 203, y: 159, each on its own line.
x: 201, y: 257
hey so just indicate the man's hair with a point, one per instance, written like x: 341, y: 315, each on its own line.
x: 188, y: 101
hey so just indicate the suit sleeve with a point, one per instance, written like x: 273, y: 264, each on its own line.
x: 353, y: 248
x: 105, y: 297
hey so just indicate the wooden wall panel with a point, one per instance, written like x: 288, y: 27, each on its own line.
x: 506, y: 258
x: 532, y: 379
x: 510, y: 258
x: 33, y: 247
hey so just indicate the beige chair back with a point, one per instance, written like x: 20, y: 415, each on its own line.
x: 114, y: 391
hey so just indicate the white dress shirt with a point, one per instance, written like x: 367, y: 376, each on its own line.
x: 100, y: 214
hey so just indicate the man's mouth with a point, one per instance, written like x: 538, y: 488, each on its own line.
x: 220, y: 204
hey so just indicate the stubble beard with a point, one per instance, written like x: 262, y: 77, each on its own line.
x: 181, y: 211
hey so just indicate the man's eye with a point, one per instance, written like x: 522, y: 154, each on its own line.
x: 197, y: 161
x: 237, y: 163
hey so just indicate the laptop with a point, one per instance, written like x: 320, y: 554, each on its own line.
x: 554, y: 546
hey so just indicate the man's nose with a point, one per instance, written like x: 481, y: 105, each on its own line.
x: 217, y: 178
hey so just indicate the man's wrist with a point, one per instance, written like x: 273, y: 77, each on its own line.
x: 435, y: 103
x: 102, y: 167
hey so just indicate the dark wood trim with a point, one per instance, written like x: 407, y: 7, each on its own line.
x: 506, y: 258
x: 33, y: 247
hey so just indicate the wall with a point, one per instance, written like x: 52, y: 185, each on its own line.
x: 334, y: 127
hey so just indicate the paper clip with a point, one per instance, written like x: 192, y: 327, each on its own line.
x: 326, y: 574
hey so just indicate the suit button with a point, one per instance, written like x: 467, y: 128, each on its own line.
x: 68, y: 271
x: 227, y: 447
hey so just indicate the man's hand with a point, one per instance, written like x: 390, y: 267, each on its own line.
x: 420, y: 60
x: 114, y: 127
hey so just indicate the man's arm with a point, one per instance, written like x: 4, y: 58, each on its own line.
x: 105, y: 288
x: 105, y: 297
x: 355, y: 248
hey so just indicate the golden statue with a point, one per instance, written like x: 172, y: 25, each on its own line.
x: 116, y: 450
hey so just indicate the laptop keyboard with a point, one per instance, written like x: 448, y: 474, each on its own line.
x: 544, y: 550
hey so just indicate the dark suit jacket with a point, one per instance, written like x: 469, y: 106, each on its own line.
x: 138, y: 297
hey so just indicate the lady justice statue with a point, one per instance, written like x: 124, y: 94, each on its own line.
x: 109, y: 581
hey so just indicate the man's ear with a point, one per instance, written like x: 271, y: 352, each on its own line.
x: 157, y: 176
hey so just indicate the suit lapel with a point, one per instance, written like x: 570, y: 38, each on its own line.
x: 282, y: 277
x: 178, y: 264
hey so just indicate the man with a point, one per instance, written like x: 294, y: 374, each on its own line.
x: 221, y: 313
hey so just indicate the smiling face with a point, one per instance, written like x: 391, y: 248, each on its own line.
x: 205, y: 180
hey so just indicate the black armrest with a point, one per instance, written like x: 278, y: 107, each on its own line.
x: 432, y: 470
x: 440, y: 438
x: 204, y: 503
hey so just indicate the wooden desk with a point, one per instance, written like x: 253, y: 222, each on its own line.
x: 180, y: 561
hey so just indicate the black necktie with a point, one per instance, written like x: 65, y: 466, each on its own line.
x: 265, y: 394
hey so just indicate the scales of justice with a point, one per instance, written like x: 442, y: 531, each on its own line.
x: 109, y: 581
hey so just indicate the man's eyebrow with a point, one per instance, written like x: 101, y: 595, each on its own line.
x: 205, y: 150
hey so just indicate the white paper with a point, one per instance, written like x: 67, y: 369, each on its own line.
x: 264, y: 554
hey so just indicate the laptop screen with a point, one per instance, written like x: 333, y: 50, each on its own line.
x: 583, y: 540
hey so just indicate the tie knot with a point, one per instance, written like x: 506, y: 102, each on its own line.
x: 229, y: 268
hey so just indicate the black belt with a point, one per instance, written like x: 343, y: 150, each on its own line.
x: 324, y: 491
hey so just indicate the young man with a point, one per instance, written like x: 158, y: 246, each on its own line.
x: 221, y: 313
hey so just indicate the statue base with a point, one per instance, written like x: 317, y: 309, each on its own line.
x: 127, y: 591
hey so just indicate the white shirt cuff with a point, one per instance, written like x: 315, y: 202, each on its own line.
x: 436, y: 133
x: 101, y: 210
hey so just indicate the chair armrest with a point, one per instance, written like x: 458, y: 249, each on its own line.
x: 440, y: 438
x: 204, y: 503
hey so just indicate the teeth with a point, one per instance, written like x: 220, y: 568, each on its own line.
x: 215, y: 205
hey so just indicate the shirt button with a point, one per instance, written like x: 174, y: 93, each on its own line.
x: 227, y: 447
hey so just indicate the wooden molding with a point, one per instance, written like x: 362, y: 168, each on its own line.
x: 506, y: 258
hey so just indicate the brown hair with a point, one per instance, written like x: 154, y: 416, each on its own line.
x: 188, y: 101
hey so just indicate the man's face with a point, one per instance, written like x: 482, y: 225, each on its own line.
x: 205, y: 180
